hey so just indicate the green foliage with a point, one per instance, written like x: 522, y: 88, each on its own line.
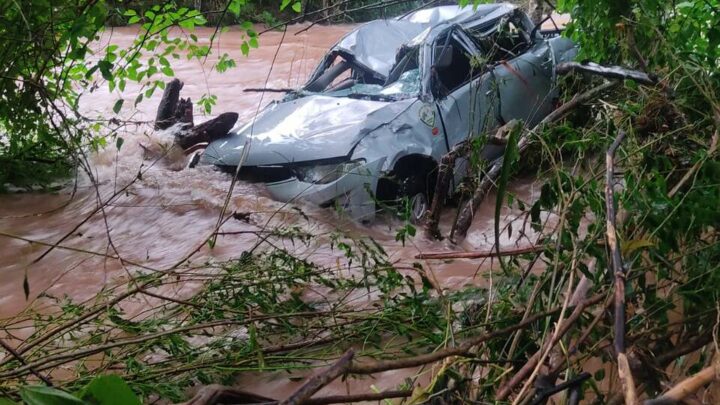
x: 102, y: 390
x: 42, y: 395
x: 666, y: 33
x: 46, y: 66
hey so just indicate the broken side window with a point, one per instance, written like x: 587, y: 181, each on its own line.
x: 451, y: 65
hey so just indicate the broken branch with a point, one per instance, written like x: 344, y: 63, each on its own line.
x: 611, y: 72
x: 624, y: 372
x: 315, y: 383
x: 687, y: 386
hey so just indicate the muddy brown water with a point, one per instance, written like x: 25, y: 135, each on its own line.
x: 165, y: 216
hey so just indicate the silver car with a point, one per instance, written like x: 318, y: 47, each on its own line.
x: 389, y: 100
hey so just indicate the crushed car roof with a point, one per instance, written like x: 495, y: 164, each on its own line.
x: 375, y: 44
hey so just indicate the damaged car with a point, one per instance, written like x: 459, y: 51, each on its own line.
x: 389, y: 100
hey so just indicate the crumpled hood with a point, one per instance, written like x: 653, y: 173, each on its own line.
x: 305, y: 129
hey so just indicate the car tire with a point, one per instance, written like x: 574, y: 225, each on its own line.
x: 416, y: 191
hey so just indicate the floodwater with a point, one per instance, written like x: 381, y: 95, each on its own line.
x: 166, y: 215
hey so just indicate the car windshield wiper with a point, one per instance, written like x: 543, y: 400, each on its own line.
x: 378, y: 97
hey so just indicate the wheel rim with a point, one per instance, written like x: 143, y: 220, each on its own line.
x: 418, y: 206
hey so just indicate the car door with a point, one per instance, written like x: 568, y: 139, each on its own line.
x: 465, y: 99
x: 524, y: 76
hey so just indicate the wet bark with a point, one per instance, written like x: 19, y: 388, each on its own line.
x: 208, y: 131
x: 166, y: 112
x: 173, y: 110
x: 442, y: 186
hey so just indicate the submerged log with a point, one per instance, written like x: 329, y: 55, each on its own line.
x: 208, y: 131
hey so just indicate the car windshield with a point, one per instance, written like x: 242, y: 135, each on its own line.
x: 403, y: 80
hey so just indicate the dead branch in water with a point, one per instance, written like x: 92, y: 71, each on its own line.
x: 479, y: 255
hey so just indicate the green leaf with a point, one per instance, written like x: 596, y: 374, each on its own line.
x: 284, y: 4
x: 234, y: 7
x: 245, y: 48
x: 118, y: 105
x: 41, y: 395
x: 168, y: 71
x: 119, y: 142
x: 7, y: 401
x: 109, y: 390
x: 297, y: 7
x: 105, y: 69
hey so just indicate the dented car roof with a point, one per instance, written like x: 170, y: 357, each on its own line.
x: 374, y: 44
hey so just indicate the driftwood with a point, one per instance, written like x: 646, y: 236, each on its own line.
x: 611, y: 72
x: 167, y: 110
x: 175, y: 110
x: 208, y: 131
x: 468, y: 211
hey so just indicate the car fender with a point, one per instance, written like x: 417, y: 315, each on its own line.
x: 407, y: 134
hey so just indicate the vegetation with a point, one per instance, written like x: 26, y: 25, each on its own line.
x: 636, y: 292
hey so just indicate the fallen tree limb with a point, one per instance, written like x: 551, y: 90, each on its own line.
x: 315, y: 383
x: 470, y: 207
x: 611, y: 72
x: 208, y: 131
x: 479, y: 255
x: 442, y: 185
x: 464, y: 349
x: 218, y: 394
x: 22, y: 361
x: 505, y: 390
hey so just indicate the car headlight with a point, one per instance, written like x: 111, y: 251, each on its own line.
x: 324, y: 174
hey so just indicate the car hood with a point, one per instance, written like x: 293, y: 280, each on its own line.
x: 305, y: 129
